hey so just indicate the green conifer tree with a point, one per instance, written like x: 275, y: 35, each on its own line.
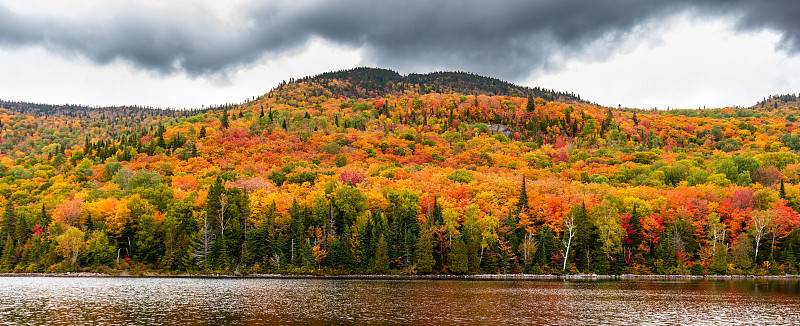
x: 22, y: 231
x: 789, y: 262
x: 719, y: 264
x: 224, y: 119
x: 424, y: 254
x: 8, y: 255
x: 381, y: 256
x: 782, y: 190
x: 457, y: 258
x: 586, y: 239
x: 8, y: 226
x: 523, y: 197
x: 438, y: 218
x: 531, y: 106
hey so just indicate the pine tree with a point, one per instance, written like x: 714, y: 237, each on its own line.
x: 457, y: 258
x: 87, y: 146
x: 22, y: 231
x: 424, y: 254
x: 224, y: 119
x: 44, y: 217
x: 531, y: 106
x: 782, y: 190
x: 365, y: 241
x: 606, y: 122
x: 212, y: 240
x: 789, y: 261
x: 547, y: 246
x: 8, y: 254
x: 438, y: 218
x: 256, y: 239
x: 213, y: 200
x: 523, y: 197
x: 381, y: 256
x: 586, y: 239
x: 719, y: 264
x: 8, y: 225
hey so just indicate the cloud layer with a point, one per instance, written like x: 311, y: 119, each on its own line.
x: 508, y: 39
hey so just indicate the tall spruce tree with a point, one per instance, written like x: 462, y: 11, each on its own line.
x: 424, y: 254
x: 9, y: 258
x: 457, y: 258
x: 214, y: 202
x: 531, y: 106
x: 782, y: 191
x: 8, y: 226
x: 438, y: 218
x: 547, y: 246
x: 381, y: 256
x: 585, y: 242
x: 224, y: 119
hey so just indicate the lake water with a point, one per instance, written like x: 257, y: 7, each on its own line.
x: 223, y: 301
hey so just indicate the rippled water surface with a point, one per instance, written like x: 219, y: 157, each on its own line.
x: 213, y: 301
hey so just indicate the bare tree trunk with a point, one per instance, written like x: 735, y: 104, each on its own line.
x: 760, y: 222
x: 481, y: 259
x: 570, y: 224
x: 758, y: 242
x: 525, y: 249
x: 223, y: 203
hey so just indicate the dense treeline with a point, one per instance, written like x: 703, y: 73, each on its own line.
x: 104, y: 112
x: 376, y: 82
x: 304, y: 180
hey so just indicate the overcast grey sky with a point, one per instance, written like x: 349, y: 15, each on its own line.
x: 641, y: 53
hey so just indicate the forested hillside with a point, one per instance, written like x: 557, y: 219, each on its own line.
x: 368, y: 171
x: 375, y: 82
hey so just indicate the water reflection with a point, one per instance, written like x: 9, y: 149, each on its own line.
x: 208, y: 301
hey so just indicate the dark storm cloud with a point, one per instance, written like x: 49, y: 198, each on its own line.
x: 508, y: 39
x: 782, y: 16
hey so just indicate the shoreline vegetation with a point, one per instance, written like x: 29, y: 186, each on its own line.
x: 474, y: 277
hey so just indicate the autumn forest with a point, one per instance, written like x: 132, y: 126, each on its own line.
x: 366, y: 171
